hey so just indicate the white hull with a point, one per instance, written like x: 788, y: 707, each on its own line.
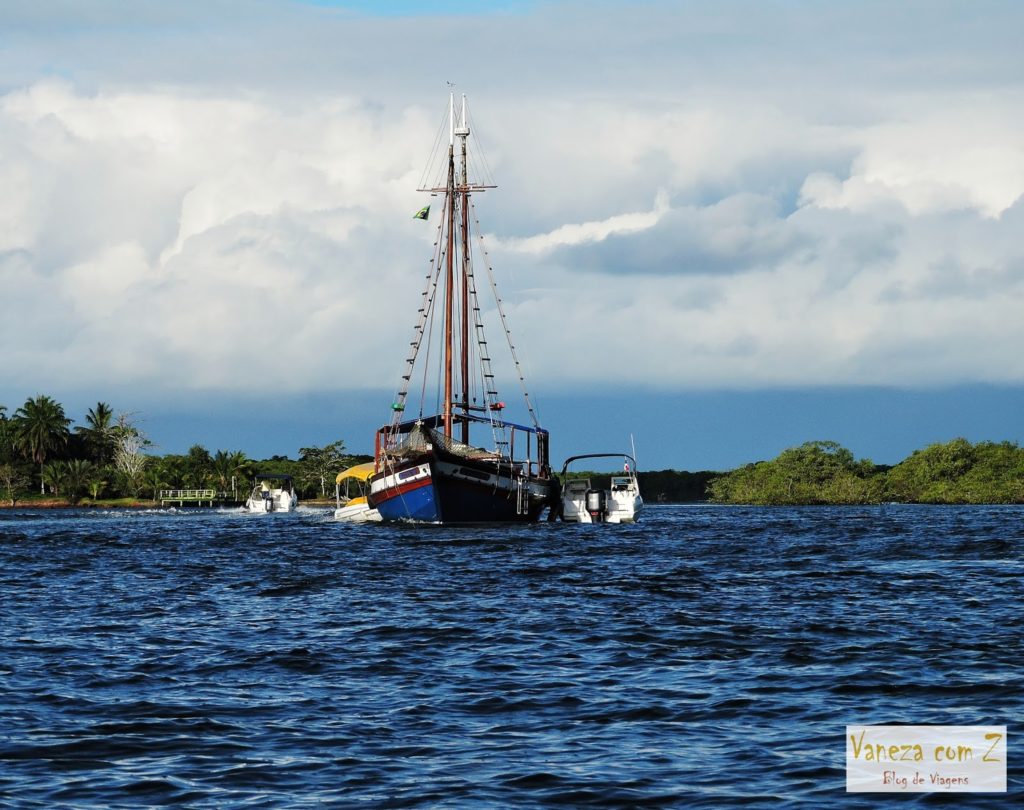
x: 278, y: 501
x: 354, y: 508
x: 357, y: 513
x: 575, y: 511
x: 620, y: 503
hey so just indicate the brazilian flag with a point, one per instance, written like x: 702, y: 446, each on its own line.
x: 423, y: 213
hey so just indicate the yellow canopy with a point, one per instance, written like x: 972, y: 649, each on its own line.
x: 361, y: 472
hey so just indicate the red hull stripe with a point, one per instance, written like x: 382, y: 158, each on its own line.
x: 401, y: 489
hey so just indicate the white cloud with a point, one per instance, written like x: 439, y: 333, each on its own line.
x: 588, y: 232
x: 967, y: 156
x: 176, y: 228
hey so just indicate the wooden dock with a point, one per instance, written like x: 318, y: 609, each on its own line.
x: 187, y: 497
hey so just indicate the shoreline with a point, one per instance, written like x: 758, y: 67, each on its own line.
x: 60, y: 503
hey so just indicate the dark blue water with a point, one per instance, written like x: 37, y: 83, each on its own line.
x: 706, y: 657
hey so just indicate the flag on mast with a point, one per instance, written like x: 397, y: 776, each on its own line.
x: 423, y: 213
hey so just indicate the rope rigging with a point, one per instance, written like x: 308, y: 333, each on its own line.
x: 424, y: 327
x: 504, y: 320
x: 477, y: 375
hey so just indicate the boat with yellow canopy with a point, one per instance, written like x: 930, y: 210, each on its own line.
x: 350, y: 489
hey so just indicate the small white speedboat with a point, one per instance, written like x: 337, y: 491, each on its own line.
x: 350, y: 491
x: 272, y: 492
x: 583, y: 503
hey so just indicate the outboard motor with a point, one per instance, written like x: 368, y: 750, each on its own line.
x: 597, y: 505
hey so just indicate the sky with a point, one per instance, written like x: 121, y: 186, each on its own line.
x: 721, y: 228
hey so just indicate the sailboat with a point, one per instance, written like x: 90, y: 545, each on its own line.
x: 434, y: 467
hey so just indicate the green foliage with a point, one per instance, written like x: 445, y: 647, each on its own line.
x: 320, y: 465
x: 99, y: 433
x: 816, y: 472
x: 7, y: 452
x: 53, y: 475
x: 674, y: 486
x: 69, y: 479
x: 40, y: 427
x: 197, y: 467
x: 106, y: 457
x: 77, y: 475
x: 15, y: 478
x: 959, y: 472
x: 226, y: 467
x: 154, y: 478
x: 277, y: 465
x: 659, y: 486
x: 14, y: 481
x: 98, y: 481
x: 825, y: 473
x: 172, y: 469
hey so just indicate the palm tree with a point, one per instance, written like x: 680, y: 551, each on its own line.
x: 155, y: 478
x: 197, y: 466
x: 172, y: 469
x: 55, y: 476
x: 40, y: 427
x: 241, y: 468
x: 97, y: 481
x: 226, y: 466
x: 77, y: 476
x: 98, y: 432
x: 6, y: 436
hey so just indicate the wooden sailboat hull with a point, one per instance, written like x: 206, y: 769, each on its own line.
x: 436, y: 489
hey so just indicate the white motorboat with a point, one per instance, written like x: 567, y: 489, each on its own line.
x: 350, y: 489
x: 272, y: 492
x: 583, y: 503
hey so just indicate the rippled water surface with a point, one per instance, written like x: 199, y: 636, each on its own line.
x: 706, y: 657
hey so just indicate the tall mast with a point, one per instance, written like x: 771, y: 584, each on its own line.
x: 449, y: 270
x: 463, y: 133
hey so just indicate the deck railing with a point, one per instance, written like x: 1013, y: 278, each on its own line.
x: 184, y: 496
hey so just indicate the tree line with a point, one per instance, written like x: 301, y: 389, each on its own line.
x: 660, y: 486
x: 824, y: 472
x: 108, y: 456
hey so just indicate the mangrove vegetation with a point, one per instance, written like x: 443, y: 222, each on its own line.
x: 824, y: 472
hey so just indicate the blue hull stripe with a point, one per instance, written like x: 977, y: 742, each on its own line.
x: 416, y: 504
